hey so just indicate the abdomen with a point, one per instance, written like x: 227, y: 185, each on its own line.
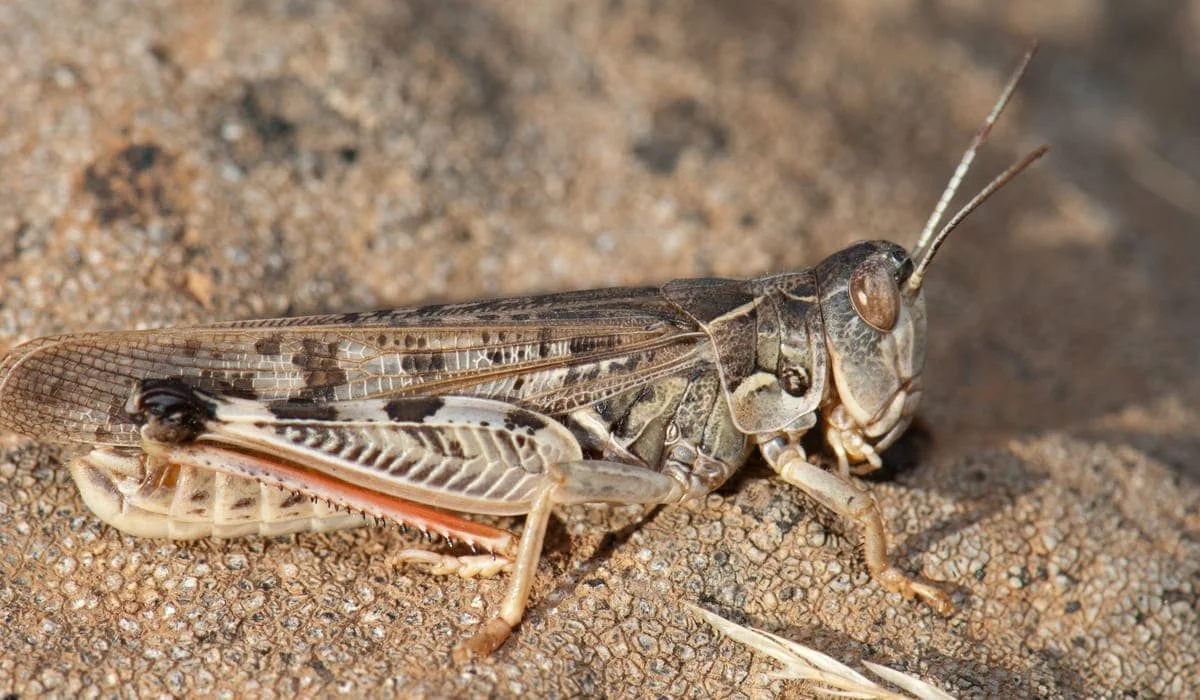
x: 182, y: 503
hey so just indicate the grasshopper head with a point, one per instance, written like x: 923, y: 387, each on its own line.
x: 875, y: 335
x: 874, y: 316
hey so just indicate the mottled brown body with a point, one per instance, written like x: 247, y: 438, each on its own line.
x: 502, y: 407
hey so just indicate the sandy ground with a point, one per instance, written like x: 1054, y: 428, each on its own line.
x: 177, y: 162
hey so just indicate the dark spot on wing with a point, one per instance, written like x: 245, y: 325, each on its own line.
x: 583, y: 344
x: 303, y: 410
x: 234, y: 384
x: 320, y: 394
x: 454, y: 448
x: 325, y: 377
x: 243, y: 503
x: 413, y: 410
x: 268, y: 346
x: 545, y: 336
x: 199, y: 496
x: 321, y: 369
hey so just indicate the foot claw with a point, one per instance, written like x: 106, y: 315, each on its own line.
x: 484, y: 642
x: 895, y: 581
x: 934, y: 597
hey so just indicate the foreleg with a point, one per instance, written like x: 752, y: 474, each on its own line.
x: 844, y: 498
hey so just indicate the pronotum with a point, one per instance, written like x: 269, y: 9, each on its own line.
x: 504, y: 407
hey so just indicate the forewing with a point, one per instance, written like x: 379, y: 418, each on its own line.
x: 550, y: 354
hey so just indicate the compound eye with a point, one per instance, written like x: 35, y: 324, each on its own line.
x: 875, y: 294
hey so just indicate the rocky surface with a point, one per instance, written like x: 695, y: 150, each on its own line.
x: 177, y: 162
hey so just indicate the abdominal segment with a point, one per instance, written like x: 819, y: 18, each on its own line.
x: 146, y: 497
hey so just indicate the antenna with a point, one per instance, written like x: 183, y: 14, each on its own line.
x: 928, y: 244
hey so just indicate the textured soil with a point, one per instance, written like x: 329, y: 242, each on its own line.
x: 178, y: 162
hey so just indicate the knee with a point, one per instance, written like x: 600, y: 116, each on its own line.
x: 860, y: 505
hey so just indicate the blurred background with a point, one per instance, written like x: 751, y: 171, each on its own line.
x: 179, y: 162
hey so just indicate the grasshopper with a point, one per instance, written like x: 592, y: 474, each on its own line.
x: 506, y: 407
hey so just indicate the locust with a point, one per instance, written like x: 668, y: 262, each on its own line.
x: 508, y: 407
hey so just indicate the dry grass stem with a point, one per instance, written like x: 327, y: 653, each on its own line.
x: 823, y: 673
